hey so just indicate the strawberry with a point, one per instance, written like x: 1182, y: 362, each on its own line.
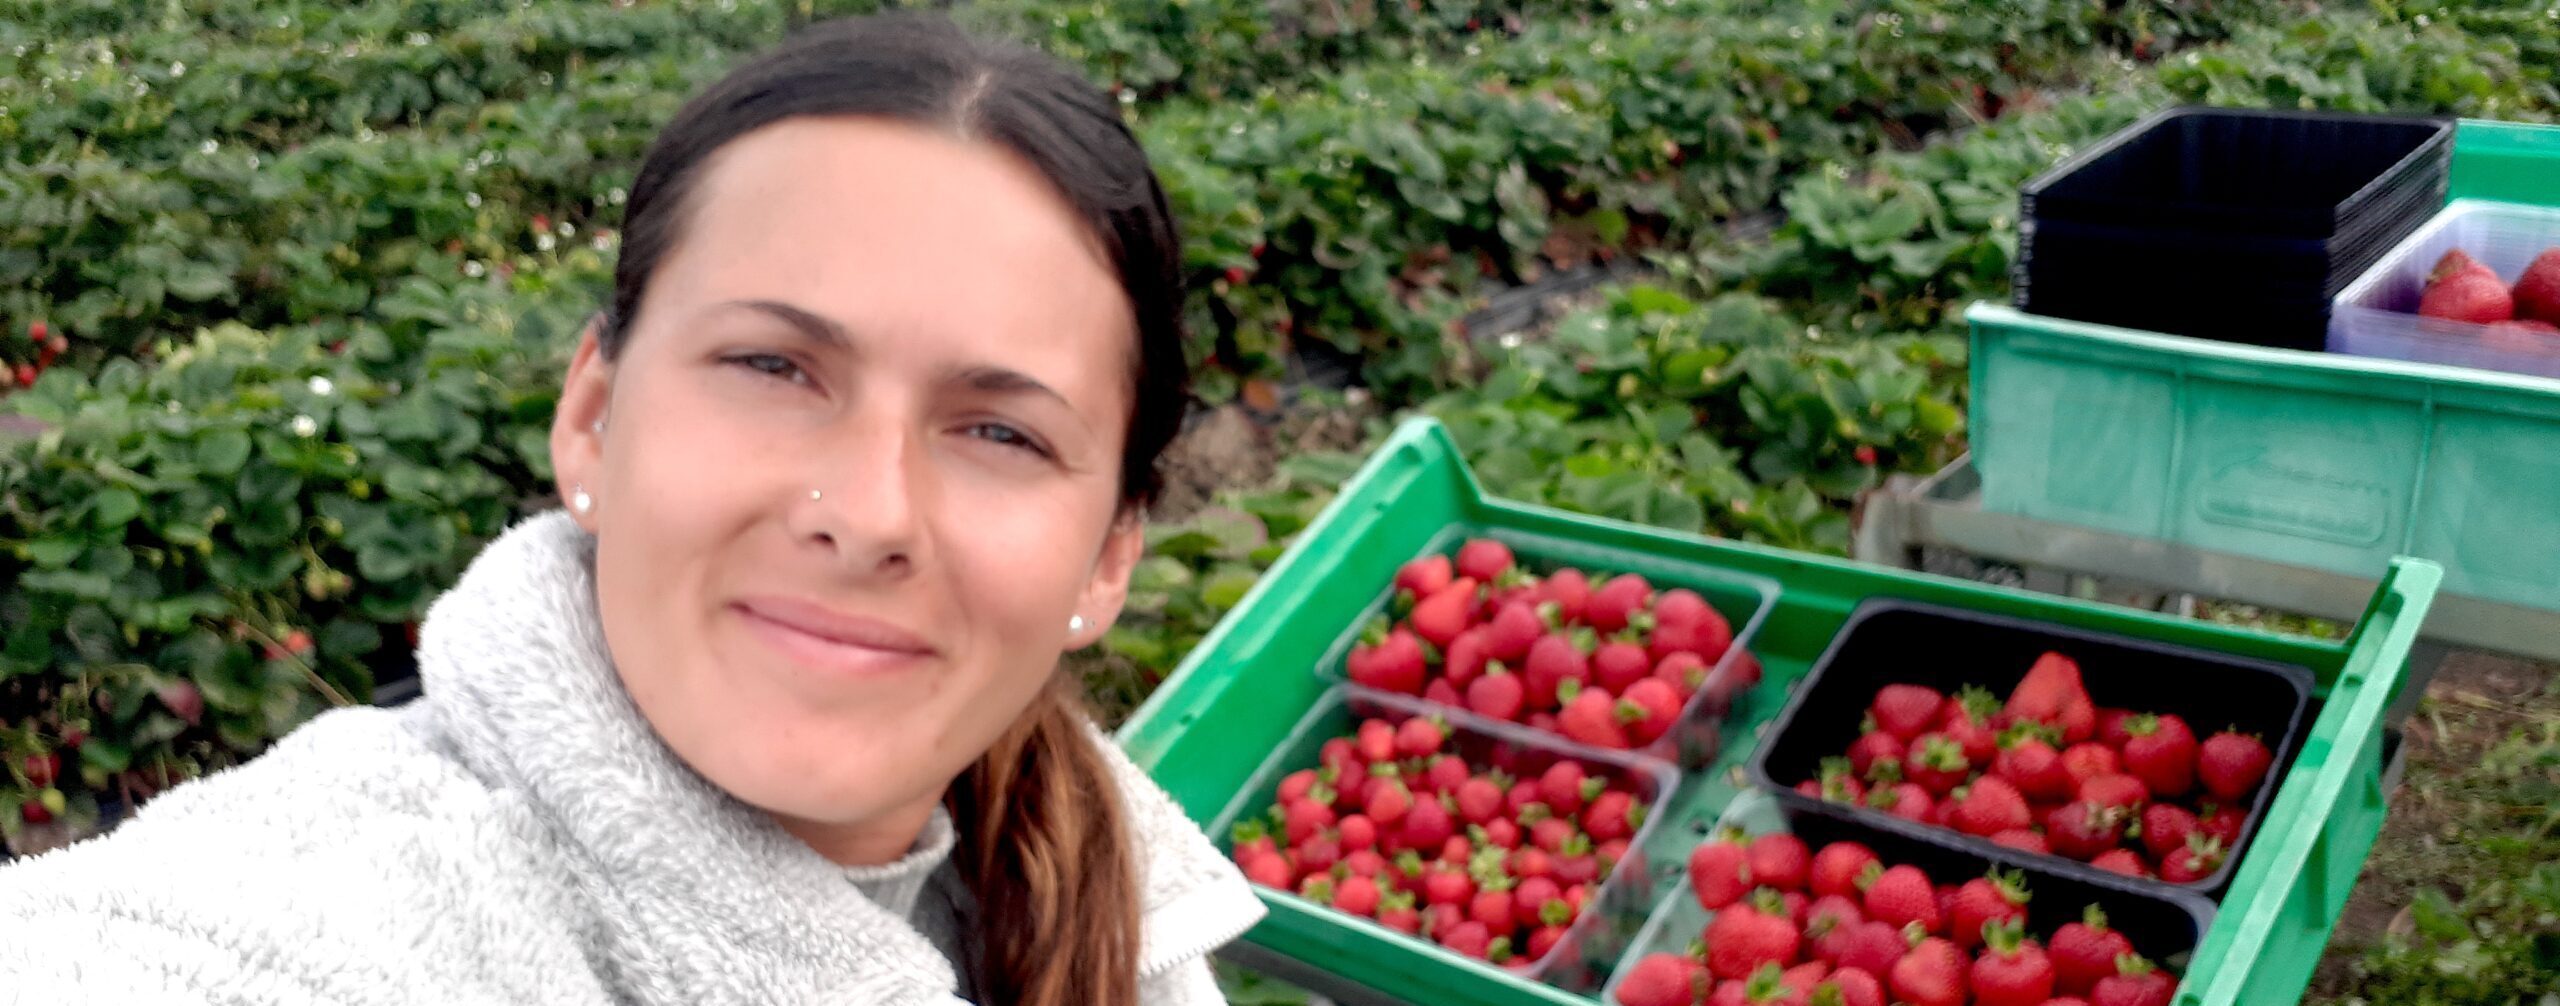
x: 1529, y: 899
x: 1439, y: 920
x: 1613, y: 815
x: 1662, y: 980
x: 1492, y: 906
x: 1614, y: 604
x: 2066, y: 1001
x: 1447, y: 884
x: 2165, y: 827
x: 2231, y: 764
x: 1719, y: 873
x: 2124, y: 861
x: 1989, y: 806
x: 2086, y: 951
x: 1420, y: 737
x: 2082, y: 829
x: 2197, y: 860
x: 1252, y: 838
x: 1395, y: 664
x: 1936, y: 762
x: 1543, y: 939
x: 1836, y: 869
x: 1515, y: 628
x: 1848, y: 987
x: 1317, y: 887
x: 1779, y: 860
x: 2221, y: 822
x: 1827, y: 924
x: 1932, y: 974
x: 1351, y: 786
x: 1469, y: 939
x: 1319, y: 852
x: 1618, y: 664
x: 1685, y: 623
x: 1357, y: 895
x: 1565, y: 786
x: 1426, y: 826
x: 1795, y: 903
x: 1683, y: 671
x: 1967, y: 719
x: 183, y: 698
x: 1396, y: 911
x: 1872, y: 946
x: 1991, y: 899
x: 1439, y: 618
x: 1872, y: 747
x: 2051, y: 694
x: 1479, y: 799
x: 2121, y: 791
x: 1497, y: 693
x: 1365, y: 862
x: 1905, y: 800
x: 1465, y: 659
x: 42, y: 769
x: 2088, y: 760
x: 2161, y: 752
x: 2465, y: 290
x: 2034, y: 767
x: 2111, y: 730
x: 1650, y: 708
x: 1446, y: 773
x: 1424, y: 576
x: 2012, y: 970
x: 1357, y: 831
x: 1483, y: 559
x: 2537, y: 290
x: 1438, y: 691
x: 1837, y: 784
x: 1591, y: 716
x: 1302, y: 819
x: 1270, y: 870
x: 1337, y: 754
x: 1553, y: 660
x: 1568, y: 590
x: 1748, y: 934
x: 2023, y: 839
x: 1906, y: 711
x: 1388, y: 802
x: 2135, y: 983
x: 1900, y: 896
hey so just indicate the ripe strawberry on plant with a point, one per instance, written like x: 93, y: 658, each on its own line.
x: 1393, y: 663
x: 2124, y: 861
x: 1750, y: 933
x: 2136, y: 983
x: 1439, y: 618
x: 1932, y: 974
x: 1483, y: 559
x: 1497, y: 693
x: 2197, y: 860
x: 1937, y: 763
x: 1901, y: 896
x: 2231, y: 764
x: 1719, y: 872
x: 2012, y: 969
x: 2085, y: 951
x: 2459, y: 288
x: 1661, y: 979
x: 1614, y: 604
x: 1906, y: 711
x: 1424, y: 576
x: 2052, y: 694
x: 1994, y: 898
x: 1988, y: 806
x: 2161, y: 752
x: 1835, y: 871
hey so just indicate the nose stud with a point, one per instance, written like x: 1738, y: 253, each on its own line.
x: 580, y: 501
x: 814, y: 495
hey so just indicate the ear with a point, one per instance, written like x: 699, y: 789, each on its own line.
x: 577, y: 447
x: 1108, y: 590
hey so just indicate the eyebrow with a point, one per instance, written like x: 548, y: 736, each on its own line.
x: 989, y: 379
x: 809, y: 323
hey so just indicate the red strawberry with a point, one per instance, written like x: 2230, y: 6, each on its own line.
x: 1357, y: 831
x: 1655, y: 706
x: 1365, y: 862
x: 2165, y: 827
x: 1530, y: 898
x: 1683, y: 671
x: 1565, y: 786
x: 1493, y: 904
x: 2086, y: 951
x: 2124, y: 861
x: 1837, y: 784
x: 2231, y: 764
x: 1905, y: 800
x: 1501, y: 832
x: 2121, y: 791
x: 1439, y: 691
x: 1994, y: 898
x: 1351, y: 786
x: 1253, y: 839
x: 1270, y: 870
x: 1479, y: 799
x: 1447, y: 884
x: 1298, y: 785
x: 1853, y: 987
x: 1396, y: 911
x: 1780, y: 860
x: 1424, y: 576
x: 2025, y: 839
x: 1465, y: 659
x: 2052, y: 694
x: 1615, y: 603
x: 1497, y: 693
x: 1827, y: 924
x: 1932, y: 974
x: 1906, y: 711
x: 1748, y: 934
x: 1937, y: 763
x: 1872, y: 946
x: 1388, y: 802
x: 1446, y: 774
x: 1613, y: 815
x: 1357, y: 895
x: 1836, y: 869
x: 2161, y: 752
x: 1872, y: 747
x: 1439, y: 920
x: 2537, y: 290
x: 1989, y: 806
x: 1301, y: 820
x: 1543, y: 939
x: 1440, y: 617
x: 1901, y: 895
x: 2465, y: 290
x: 2221, y: 823
x: 1515, y: 628
x: 1662, y: 980
x: 2197, y: 860
x: 1426, y: 826
x: 1685, y: 623
x: 1568, y: 590
x: 1483, y: 559
x: 2012, y: 970
x: 1618, y: 663
x: 2089, y: 760
x: 1317, y: 887
x: 1375, y: 741
x: 1719, y: 873
x: 1470, y: 939
x: 1967, y: 719
x: 2034, y: 767
x: 2081, y: 829
x: 42, y: 769
x: 2135, y: 983
x: 1590, y: 716
x: 1553, y: 660
x: 1319, y: 852
x: 2111, y: 731
x: 1420, y: 737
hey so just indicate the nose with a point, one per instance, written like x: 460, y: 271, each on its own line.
x: 863, y: 506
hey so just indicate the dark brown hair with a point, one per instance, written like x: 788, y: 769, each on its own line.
x: 1041, y: 834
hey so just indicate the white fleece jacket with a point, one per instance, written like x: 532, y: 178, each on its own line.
x: 518, y: 835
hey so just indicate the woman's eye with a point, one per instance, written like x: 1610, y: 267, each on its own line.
x: 770, y: 365
x: 1007, y: 436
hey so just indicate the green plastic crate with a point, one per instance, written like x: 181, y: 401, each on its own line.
x: 2510, y: 162
x: 1240, y: 693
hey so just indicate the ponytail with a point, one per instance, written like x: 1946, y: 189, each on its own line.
x: 1046, y: 854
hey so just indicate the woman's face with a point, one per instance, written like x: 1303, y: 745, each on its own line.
x: 860, y: 465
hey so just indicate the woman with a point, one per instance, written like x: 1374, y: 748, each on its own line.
x: 771, y: 712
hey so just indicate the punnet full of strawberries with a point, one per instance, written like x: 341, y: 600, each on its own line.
x: 1608, y: 661
x: 1842, y: 927
x: 1394, y: 826
x: 2049, y: 771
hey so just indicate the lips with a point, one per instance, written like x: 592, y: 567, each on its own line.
x: 812, y: 634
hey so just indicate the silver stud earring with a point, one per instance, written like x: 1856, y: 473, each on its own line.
x: 597, y: 426
x: 1075, y: 623
x: 580, y: 501
x: 814, y: 495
